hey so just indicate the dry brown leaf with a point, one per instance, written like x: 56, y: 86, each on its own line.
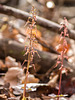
x: 3, y: 97
x: 2, y: 64
x: 11, y: 62
x: 53, y: 81
x: 34, y: 32
x: 14, y: 76
x: 31, y: 79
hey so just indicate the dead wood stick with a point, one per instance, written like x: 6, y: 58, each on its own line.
x: 40, y: 40
x: 40, y: 21
x: 14, y: 49
x: 44, y: 44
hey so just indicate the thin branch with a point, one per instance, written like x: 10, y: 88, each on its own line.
x: 39, y: 40
x: 40, y: 21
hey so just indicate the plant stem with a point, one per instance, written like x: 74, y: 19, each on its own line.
x: 29, y: 59
x: 60, y: 83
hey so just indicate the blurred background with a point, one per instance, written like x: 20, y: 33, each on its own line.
x: 13, y: 36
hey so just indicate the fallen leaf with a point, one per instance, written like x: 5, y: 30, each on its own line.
x: 11, y: 62
x: 14, y: 75
x: 31, y: 79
